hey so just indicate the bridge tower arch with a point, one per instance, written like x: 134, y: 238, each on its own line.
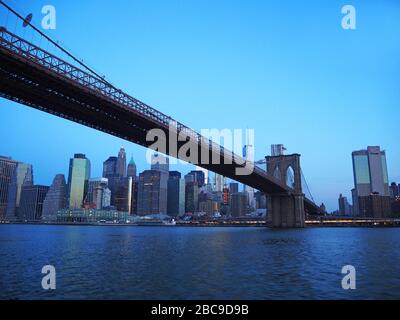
x: 286, y: 210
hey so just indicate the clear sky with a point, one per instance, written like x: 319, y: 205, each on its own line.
x: 287, y: 69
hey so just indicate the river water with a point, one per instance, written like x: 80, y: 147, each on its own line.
x: 96, y: 262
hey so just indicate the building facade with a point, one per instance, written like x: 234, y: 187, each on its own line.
x: 7, y: 168
x: 56, y: 197
x: 152, y: 192
x: 371, y: 182
x: 22, y: 176
x: 79, y: 174
x: 31, y: 205
x: 176, y: 194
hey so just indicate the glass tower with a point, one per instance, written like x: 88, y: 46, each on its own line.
x: 79, y: 174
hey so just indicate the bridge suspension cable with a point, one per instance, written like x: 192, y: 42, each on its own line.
x: 27, y: 22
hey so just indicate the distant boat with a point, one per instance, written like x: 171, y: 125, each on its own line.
x: 169, y: 223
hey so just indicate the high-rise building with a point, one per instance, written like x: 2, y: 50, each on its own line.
x: 225, y: 196
x: 196, y: 176
x: 233, y: 187
x: 206, y: 174
x: 79, y: 174
x: 22, y: 176
x: 124, y: 194
x: 261, y: 200
x: 238, y: 204
x: 56, y: 197
x: 131, y: 171
x: 191, y: 197
x: 248, y: 154
x: 152, y: 192
x: 176, y: 194
x: 31, y: 204
x: 7, y: 168
x: 93, y: 183
x: 344, y: 206
x: 110, y: 167
x: 370, y: 172
x: 159, y: 162
x: 394, y: 190
x: 371, y: 179
x: 121, y: 163
x: 218, y: 182
x: 101, y: 196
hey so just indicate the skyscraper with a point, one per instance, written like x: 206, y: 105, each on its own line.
x: 110, y: 167
x: 196, y: 176
x: 176, y: 194
x: 31, y: 205
x: 218, y: 182
x: 56, y: 197
x: 101, y: 196
x: 371, y: 182
x: 233, y: 187
x: 344, y: 206
x: 191, y: 196
x: 22, y: 176
x: 79, y: 174
x: 121, y: 163
x: 206, y: 174
x: 7, y: 168
x: 238, y: 204
x: 248, y: 154
x: 93, y: 183
x: 131, y: 171
x: 152, y: 192
x: 124, y: 194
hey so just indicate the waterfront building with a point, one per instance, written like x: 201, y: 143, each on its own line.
x: 102, y: 196
x: 79, y: 174
x: 152, y: 192
x: 248, y: 154
x: 344, y: 206
x: 176, y: 194
x: 7, y: 168
x: 22, y: 176
x: 261, y: 200
x: 371, y: 182
x: 124, y: 194
x: 93, y: 183
x: 394, y: 190
x: 238, y: 204
x: 191, y: 197
x: 56, y: 197
x: 31, y: 204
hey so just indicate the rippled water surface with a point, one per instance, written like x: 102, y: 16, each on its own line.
x: 198, y: 263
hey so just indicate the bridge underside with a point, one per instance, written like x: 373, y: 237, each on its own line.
x: 31, y: 84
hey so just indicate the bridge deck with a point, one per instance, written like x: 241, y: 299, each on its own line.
x: 36, y: 78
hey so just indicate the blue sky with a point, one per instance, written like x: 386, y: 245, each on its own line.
x: 287, y: 69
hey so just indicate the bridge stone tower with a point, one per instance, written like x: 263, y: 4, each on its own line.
x: 286, y: 210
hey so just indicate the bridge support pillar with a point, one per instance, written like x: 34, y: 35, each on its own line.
x: 286, y: 211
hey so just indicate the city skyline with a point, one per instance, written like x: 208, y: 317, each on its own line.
x: 269, y: 84
x: 160, y: 163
